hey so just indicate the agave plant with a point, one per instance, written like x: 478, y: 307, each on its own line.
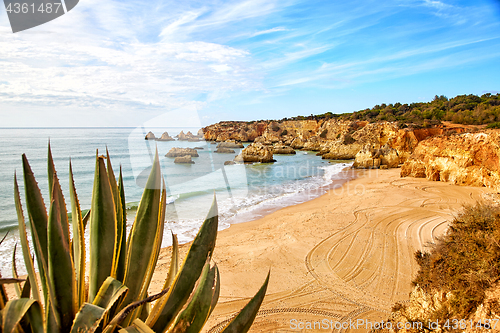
x: 113, y: 296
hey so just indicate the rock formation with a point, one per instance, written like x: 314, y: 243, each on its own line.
x: 176, y: 152
x: 255, y: 152
x: 184, y: 159
x: 230, y: 144
x: 369, y: 157
x: 465, y: 159
x: 165, y: 137
x: 150, y: 136
x: 224, y: 151
x: 187, y: 137
x: 282, y: 149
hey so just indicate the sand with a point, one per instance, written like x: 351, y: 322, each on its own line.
x: 346, y: 255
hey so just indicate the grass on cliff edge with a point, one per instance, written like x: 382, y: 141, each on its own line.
x: 465, y: 261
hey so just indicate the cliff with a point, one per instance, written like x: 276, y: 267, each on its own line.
x: 466, y: 159
x: 372, y: 145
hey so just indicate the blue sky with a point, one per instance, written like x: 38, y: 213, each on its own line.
x: 122, y: 63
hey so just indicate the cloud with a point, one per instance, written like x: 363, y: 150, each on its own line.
x: 268, y: 31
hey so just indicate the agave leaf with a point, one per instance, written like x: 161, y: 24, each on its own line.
x: 174, y: 267
x: 202, y: 247
x: 78, y: 244
x: 88, y: 318
x: 52, y: 320
x: 17, y: 286
x: 242, y: 322
x: 28, y: 260
x: 192, y: 319
x: 10, y: 280
x: 120, y: 317
x: 25, y: 292
x: 86, y: 219
x: 110, y: 295
x: 17, y: 309
x: 61, y: 270
x: 138, y: 326
x: 174, y: 263
x: 143, y: 239
x: 102, y: 230
x: 120, y: 269
x: 216, y: 293
x: 119, y: 214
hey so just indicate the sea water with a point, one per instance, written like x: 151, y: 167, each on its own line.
x: 244, y: 192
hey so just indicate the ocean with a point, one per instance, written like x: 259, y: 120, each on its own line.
x: 244, y: 192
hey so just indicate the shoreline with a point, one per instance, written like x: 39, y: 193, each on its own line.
x: 347, y: 254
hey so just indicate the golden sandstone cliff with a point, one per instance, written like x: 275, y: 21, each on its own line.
x: 441, y: 153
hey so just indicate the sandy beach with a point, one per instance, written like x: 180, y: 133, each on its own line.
x: 346, y: 255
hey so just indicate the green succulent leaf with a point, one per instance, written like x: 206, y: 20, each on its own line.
x: 144, y: 239
x: 28, y: 260
x: 242, y: 322
x: 25, y: 292
x: 88, y: 318
x: 78, y: 240
x: 17, y: 286
x: 23, y: 308
x: 192, y: 319
x: 120, y: 267
x: 202, y: 247
x: 138, y: 326
x: 120, y: 231
x: 60, y: 265
x: 103, y: 225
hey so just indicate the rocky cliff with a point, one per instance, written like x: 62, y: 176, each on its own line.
x: 371, y: 144
x: 466, y: 159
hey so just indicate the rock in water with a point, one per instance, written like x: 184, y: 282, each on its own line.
x: 150, y: 136
x: 282, y: 149
x: 255, y: 152
x: 184, y: 159
x: 224, y: 151
x: 230, y: 144
x: 175, y: 152
x: 165, y: 137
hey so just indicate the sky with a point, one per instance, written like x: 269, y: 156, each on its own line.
x: 124, y: 63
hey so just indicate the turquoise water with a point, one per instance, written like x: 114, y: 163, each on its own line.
x: 244, y: 192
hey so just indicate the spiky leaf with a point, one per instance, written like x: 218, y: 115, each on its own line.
x: 242, y: 322
x: 202, y: 247
x: 78, y: 240
x: 61, y: 270
x: 102, y: 230
x: 142, y: 243
x: 28, y: 260
x: 192, y: 319
x: 17, y: 309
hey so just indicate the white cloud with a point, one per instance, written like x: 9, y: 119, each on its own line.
x: 92, y: 57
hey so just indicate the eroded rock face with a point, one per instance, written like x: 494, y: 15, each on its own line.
x: 150, y: 136
x: 187, y: 137
x: 224, y: 151
x: 282, y: 149
x: 369, y: 157
x: 255, y: 152
x: 184, y: 159
x: 165, y: 137
x: 466, y: 159
x: 175, y: 152
x: 230, y: 144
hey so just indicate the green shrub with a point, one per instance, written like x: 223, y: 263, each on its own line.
x: 466, y: 261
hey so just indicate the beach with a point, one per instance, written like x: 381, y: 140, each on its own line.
x: 339, y: 258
